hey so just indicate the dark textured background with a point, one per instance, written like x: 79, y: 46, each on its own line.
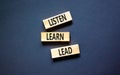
x: 96, y: 27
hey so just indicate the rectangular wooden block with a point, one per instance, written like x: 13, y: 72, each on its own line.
x: 65, y: 51
x: 55, y: 36
x: 57, y: 20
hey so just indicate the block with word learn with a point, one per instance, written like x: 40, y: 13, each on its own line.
x: 65, y: 51
x: 55, y: 36
x: 57, y: 20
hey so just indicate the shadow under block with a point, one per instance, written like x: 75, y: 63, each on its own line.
x: 65, y: 51
x: 57, y: 20
x: 55, y: 36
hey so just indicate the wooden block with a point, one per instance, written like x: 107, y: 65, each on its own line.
x: 57, y: 20
x: 55, y: 36
x: 65, y: 51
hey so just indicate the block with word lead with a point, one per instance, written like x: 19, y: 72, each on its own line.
x: 57, y: 20
x: 65, y: 51
x: 55, y: 36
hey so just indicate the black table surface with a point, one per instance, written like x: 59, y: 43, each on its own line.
x: 95, y: 27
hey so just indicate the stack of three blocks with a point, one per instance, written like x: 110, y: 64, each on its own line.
x: 52, y: 22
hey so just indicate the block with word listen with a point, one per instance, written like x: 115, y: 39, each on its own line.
x: 57, y: 20
x: 65, y: 51
x: 55, y: 36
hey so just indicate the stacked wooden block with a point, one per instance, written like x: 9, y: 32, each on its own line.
x: 59, y: 36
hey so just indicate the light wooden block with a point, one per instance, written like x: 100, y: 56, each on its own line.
x: 55, y: 36
x: 57, y: 20
x: 65, y: 51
